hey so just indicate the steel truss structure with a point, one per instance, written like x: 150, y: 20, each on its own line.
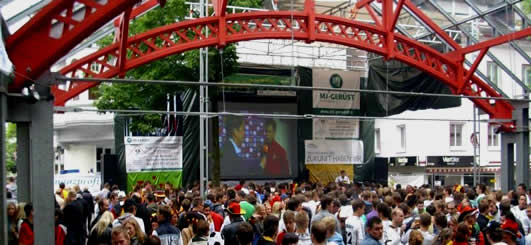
x: 38, y: 44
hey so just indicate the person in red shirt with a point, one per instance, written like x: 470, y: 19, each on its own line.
x: 214, y: 217
x: 60, y: 230
x: 275, y: 160
x: 26, y: 236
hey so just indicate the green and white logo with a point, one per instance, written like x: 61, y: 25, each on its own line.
x: 336, y: 81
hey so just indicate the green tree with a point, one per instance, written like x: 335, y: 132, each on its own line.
x: 526, y: 5
x: 11, y: 147
x: 184, y: 67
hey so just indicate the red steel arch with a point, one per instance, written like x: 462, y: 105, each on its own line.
x: 304, y: 25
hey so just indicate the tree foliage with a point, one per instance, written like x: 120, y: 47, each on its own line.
x: 526, y: 6
x: 11, y: 147
x: 183, y: 67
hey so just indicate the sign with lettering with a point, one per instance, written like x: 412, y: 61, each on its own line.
x: 403, y: 161
x: 336, y: 128
x: 153, y: 153
x: 335, y: 102
x: 333, y: 151
x: 450, y: 161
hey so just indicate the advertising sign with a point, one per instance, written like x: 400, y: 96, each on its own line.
x: 90, y: 181
x: 333, y: 151
x: 153, y: 153
x: 335, y: 102
x: 450, y: 161
x: 403, y: 161
x: 335, y: 129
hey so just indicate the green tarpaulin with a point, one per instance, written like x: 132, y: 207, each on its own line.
x: 156, y: 178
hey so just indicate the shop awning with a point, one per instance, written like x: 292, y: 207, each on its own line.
x: 461, y: 170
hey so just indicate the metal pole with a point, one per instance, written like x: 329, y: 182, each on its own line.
x: 203, y: 108
x: 3, y: 171
x: 475, y: 147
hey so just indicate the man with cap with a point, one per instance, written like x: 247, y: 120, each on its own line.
x: 235, y: 213
x: 468, y: 216
x: 511, y: 235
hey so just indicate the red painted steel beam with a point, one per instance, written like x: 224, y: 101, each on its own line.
x: 496, y: 41
x: 141, y: 9
x: 231, y: 28
x: 220, y: 7
x: 396, y: 14
x: 363, y: 3
x: 124, y: 35
x: 33, y: 50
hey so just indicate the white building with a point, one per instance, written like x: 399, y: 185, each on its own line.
x: 80, y: 138
x: 440, y: 137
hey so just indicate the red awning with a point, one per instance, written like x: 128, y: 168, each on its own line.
x: 462, y: 170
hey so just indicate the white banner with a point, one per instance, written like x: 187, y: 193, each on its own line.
x: 335, y: 128
x: 405, y: 180
x: 331, y: 101
x: 153, y: 153
x: 90, y: 181
x: 333, y: 151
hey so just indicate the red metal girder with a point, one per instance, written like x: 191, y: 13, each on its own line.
x: 309, y: 8
x: 396, y: 14
x: 363, y: 3
x: 32, y: 49
x: 124, y: 35
x: 447, y: 68
x: 387, y: 17
x: 373, y: 15
x: 139, y: 10
x: 496, y: 41
x: 472, y: 69
x: 220, y: 7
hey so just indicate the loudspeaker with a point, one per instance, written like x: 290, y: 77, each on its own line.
x: 111, y: 170
x: 381, y: 169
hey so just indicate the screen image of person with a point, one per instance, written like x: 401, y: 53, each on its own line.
x: 232, y: 147
x: 275, y: 160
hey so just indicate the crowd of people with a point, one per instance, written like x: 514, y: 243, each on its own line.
x: 337, y: 214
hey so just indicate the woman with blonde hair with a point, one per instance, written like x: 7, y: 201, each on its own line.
x: 415, y: 238
x: 276, y: 209
x: 101, y: 232
x: 135, y: 232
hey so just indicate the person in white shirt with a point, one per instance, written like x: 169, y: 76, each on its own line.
x: 520, y: 212
x: 393, y: 232
x: 301, y: 228
x: 354, y: 226
x: 343, y: 178
x: 425, y: 223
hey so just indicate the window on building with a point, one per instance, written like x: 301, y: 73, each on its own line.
x: 493, y: 72
x: 526, y: 74
x: 492, y: 137
x: 377, y: 144
x: 456, y: 134
x: 402, y: 132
